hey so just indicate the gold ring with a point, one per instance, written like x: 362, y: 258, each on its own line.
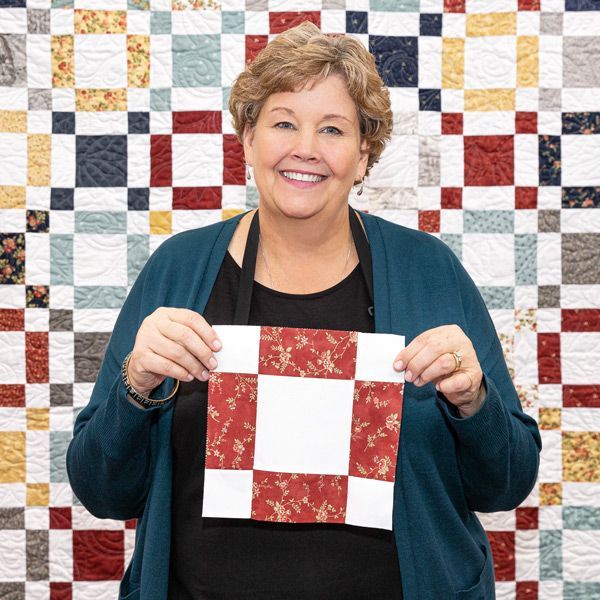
x: 457, y: 360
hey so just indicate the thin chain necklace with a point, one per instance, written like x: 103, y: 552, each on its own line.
x: 262, y: 252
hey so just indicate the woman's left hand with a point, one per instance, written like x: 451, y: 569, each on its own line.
x: 430, y: 357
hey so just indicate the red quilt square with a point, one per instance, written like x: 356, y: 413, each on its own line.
x: 299, y: 497
x: 451, y: 197
x: 36, y: 356
x: 503, y: 551
x: 197, y: 198
x: 12, y: 394
x: 161, y: 161
x: 232, y: 412
x: 452, y: 123
x: 549, y: 368
x: 429, y: 220
x: 98, y: 555
x: 527, y: 517
x: 526, y: 122
x: 527, y: 590
x: 489, y: 160
x: 526, y: 197
x: 376, y: 416
x: 12, y: 319
x: 197, y: 121
x: 234, y: 171
x: 61, y: 590
x: 529, y: 4
x: 455, y: 6
x: 60, y: 517
x: 282, y: 21
x: 307, y: 352
x: 254, y: 44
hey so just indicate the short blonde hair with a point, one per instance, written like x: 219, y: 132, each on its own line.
x: 303, y: 54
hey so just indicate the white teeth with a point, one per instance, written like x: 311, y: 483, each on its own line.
x: 302, y: 176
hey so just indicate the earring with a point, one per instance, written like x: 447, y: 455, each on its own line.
x: 360, y: 191
x: 248, y: 176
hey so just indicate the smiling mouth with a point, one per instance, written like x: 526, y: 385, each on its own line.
x: 303, y: 177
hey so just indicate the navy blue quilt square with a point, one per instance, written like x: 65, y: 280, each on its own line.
x: 63, y: 122
x: 397, y: 59
x: 357, y: 21
x: 101, y: 161
x: 139, y: 122
x: 582, y: 5
x: 138, y: 198
x: 430, y: 24
x: 430, y: 100
x: 62, y: 198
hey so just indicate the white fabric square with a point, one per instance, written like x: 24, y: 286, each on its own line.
x: 490, y: 62
x: 227, y: 494
x: 101, y: 61
x: 100, y: 259
x: 489, y: 258
x: 375, y: 354
x: 580, y: 358
x: 241, y: 345
x: 12, y: 343
x: 303, y: 425
x: 370, y: 502
x: 580, y: 156
x: 197, y: 159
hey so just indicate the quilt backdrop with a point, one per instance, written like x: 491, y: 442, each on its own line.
x: 115, y: 134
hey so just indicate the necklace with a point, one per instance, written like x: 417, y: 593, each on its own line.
x: 262, y: 252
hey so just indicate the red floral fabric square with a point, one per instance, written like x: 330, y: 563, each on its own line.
x: 307, y: 352
x: 231, y: 421
x: 299, y: 497
x: 376, y: 416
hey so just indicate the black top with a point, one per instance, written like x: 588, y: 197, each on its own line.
x: 243, y: 559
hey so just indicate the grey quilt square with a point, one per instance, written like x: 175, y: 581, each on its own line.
x: 581, y: 61
x: 551, y: 23
x: 549, y: 296
x: 89, y: 350
x: 549, y: 221
x: 13, y: 62
x: 550, y: 99
x: 580, y: 258
x: 38, y: 21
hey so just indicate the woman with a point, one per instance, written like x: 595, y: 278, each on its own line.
x: 313, y: 116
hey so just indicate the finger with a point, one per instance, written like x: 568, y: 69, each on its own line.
x: 179, y: 355
x: 459, y: 383
x: 425, y: 358
x: 189, y: 340
x: 161, y: 365
x: 443, y: 332
x: 441, y: 367
x: 198, y: 323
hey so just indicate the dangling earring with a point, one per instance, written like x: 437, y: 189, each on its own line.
x: 360, y: 191
x: 248, y: 176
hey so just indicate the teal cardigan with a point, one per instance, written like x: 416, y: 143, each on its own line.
x: 119, y: 460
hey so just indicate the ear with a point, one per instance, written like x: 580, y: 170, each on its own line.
x: 248, y: 141
x: 361, y: 168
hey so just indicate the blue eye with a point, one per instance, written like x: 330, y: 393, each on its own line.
x: 336, y: 130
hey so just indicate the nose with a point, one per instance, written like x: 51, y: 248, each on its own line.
x: 305, y: 145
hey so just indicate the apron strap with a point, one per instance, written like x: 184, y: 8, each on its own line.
x: 244, y: 299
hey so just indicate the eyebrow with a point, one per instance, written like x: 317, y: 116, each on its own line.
x: 327, y: 116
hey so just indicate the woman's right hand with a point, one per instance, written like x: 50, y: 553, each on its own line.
x: 172, y: 342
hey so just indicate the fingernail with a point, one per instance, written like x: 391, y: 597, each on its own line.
x: 398, y: 365
x: 205, y: 375
x: 212, y: 363
x: 217, y: 345
x: 408, y: 376
x: 189, y: 377
x: 418, y: 381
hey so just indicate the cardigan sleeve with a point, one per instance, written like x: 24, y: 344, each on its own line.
x: 108, y: 459
x: 499, y: 445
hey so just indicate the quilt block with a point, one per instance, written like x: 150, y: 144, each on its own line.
x: 303, y: 426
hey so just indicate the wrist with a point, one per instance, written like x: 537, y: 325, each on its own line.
x: 469, y: 409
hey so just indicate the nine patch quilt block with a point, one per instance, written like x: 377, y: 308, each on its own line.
x: 303, y: 426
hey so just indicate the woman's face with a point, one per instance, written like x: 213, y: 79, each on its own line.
x: 312, y: 131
